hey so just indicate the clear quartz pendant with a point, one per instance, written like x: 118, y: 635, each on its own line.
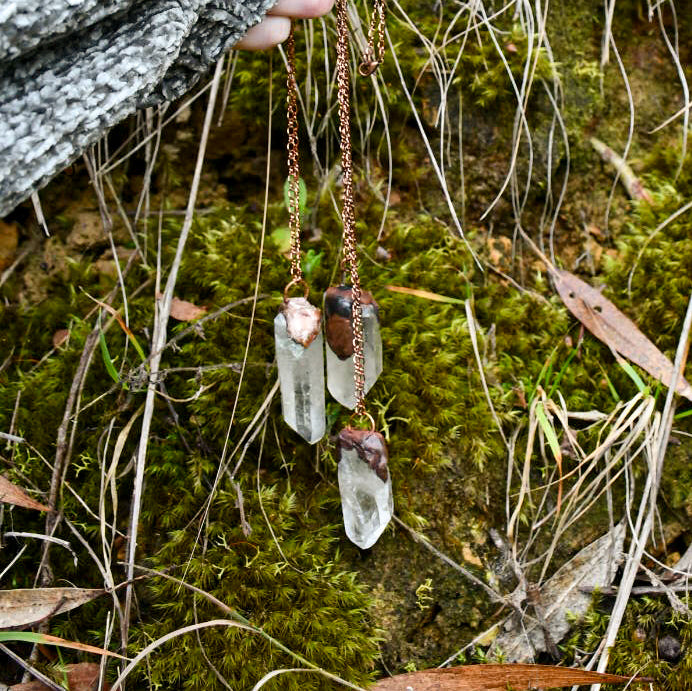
x: 365, y: 486
x: 299, y: 355
x: 338, y: 304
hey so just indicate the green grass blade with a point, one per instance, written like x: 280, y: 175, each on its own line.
x: 136, y: 345
x: 547, y: 364
x: 23, y: 636
x: 425, y: 294
x: 562, y: 371
x: 548, y: 431
x: 107, y: 360
x: 634, y: 376
x: 611, y: 387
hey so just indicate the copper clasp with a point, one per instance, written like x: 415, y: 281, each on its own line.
x: 368, y: 66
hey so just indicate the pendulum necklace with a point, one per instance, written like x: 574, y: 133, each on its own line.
x: 354, y: 348
x: 297, y: 327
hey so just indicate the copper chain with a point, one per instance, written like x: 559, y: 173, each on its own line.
x: 293, y: 164
x: 374, y: 55
x: 349, y: 260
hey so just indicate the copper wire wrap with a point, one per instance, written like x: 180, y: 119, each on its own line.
x: 293, y: 162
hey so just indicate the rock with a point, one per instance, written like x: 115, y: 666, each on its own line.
x: 669, y: 649
x: 87, y: 231
x: 105, y: 264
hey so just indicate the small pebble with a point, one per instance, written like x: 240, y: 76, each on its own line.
x: 669, y: 649
x: 383, y: 254
x: 639, y: 635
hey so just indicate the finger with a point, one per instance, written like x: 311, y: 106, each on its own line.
x: 268, y: 33
x: 301, y: 9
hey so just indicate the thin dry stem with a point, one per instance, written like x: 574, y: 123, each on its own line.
x: 162, y: 314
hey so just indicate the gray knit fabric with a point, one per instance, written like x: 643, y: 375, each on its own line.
x: 71, y: 69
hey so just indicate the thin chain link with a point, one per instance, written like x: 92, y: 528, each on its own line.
x: 374, y: 55
x: 349, y: 259
x: 293, y: 164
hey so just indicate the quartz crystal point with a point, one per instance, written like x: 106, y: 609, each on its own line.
x: 365, y: 486
x: 338, y: 307
x: 299, y: 355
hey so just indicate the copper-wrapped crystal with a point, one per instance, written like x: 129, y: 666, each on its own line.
x: 365, y: 486
x: 338, y: 313
x: 300, y: 359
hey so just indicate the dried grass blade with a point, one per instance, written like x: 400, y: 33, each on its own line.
x: 44, y: 638
x: 425, y: 294
x: 596, y: 565
x: 121, y: 322
x: 525, y: 475
x: 554, y: 444
x: 632, y: 183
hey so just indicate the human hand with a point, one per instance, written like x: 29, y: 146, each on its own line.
x: 275, y: 27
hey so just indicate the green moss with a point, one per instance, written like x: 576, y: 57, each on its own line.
x: 647, y: 620
x: 284, y: 576
x: 649, y: 258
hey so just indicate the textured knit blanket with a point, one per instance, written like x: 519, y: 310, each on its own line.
x: 71, y: 69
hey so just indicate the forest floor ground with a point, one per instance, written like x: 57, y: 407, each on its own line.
x: 517, y: 438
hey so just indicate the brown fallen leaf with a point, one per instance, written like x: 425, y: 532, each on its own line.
x: 594, y: 230
x: 185, y: 311
x: 494, y: 677
x: 593, y: 567
x: 610, y: 325
x: 82, y: 676
x: 11, y: 494
x: 23, y: 606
